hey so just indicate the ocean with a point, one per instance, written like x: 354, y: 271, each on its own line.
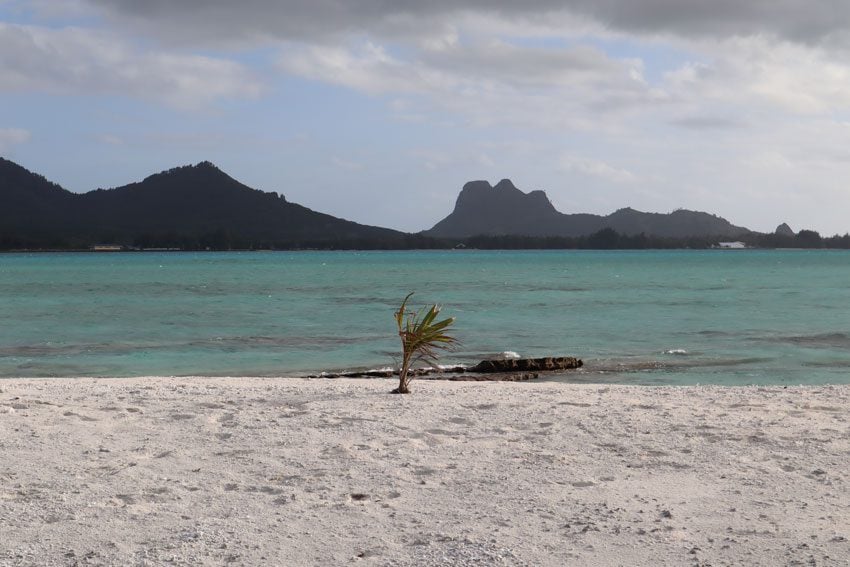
x: 634, y: 317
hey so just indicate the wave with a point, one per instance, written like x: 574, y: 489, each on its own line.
x: 53, y: 349
x: 223, y: 342
x: 712, y: 333
x: 820, y: 340
x: 644, y: 365
x: 450, y: 366
x: 836, y: 364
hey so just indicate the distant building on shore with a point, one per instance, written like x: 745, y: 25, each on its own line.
x: 107, y: 248
x: 737, y: 245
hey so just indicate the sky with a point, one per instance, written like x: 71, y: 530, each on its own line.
x: 379, y: 111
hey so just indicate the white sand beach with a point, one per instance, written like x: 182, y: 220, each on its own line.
x: 211, y: 471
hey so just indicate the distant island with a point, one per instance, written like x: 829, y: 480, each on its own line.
x: 199, y: 207
x: 482, y: 209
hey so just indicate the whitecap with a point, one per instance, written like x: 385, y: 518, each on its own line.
x: 679, y: 351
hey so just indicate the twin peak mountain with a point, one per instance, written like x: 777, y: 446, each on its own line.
x: 482, y: 209
x: 201, y: 206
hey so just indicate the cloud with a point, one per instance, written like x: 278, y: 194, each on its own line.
x: 369, y: 68
x: 493, y: 82
x: 707, y: 122
x: 595, y: 168
x: 436, y: 159
x: 793, y: 77
x: 10, y: 137
x: 253, y: 21
x: 50, y: 10
x: 75, y: 60
x: 374, y: 68
x: 805, y: 21
x: 499, y: 61
x: 492, y: 60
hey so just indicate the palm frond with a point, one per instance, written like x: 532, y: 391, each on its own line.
x: 422, y: 337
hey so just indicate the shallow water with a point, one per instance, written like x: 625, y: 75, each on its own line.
x: 668, y: 317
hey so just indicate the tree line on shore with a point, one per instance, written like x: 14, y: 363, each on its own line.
x: 224, y: 239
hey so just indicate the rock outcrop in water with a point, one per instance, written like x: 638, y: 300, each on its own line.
x: 527, y: 364
x: 503, y: 370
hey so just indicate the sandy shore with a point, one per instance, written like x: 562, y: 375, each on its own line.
x: 200, y: 471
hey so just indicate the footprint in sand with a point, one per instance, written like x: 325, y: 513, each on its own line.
x: 82, y: 417
x: 181, y: 416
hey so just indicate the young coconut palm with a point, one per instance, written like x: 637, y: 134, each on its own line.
x: 421, y: 337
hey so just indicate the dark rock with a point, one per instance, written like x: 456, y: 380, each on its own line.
x: 361, y: 374
x: 523, y: 364
x: 369, y: 374
x: 496, y: 370
x: 495, y: 377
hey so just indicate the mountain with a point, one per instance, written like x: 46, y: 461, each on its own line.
x: 191, y: 207
x: 784, y: 230
x: 31, y: 203
x: 482, y: 209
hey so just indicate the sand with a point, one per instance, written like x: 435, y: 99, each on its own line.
x: 205, y: 471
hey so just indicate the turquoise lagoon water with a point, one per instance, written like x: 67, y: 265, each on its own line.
x: 645, y: 317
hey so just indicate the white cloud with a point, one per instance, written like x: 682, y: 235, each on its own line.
x: 478, y: 158
x: 583, y: 87
x: 10, y: 137
x: 797, y: 78
x: 596, y: 168
x: 485, y: 160
x: 75, y: 60
x: 472, y: 57
x: 577, y: 87
x: 369, y: 68
x: 468, y: 55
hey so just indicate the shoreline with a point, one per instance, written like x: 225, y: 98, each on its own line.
x: 196, y: 470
